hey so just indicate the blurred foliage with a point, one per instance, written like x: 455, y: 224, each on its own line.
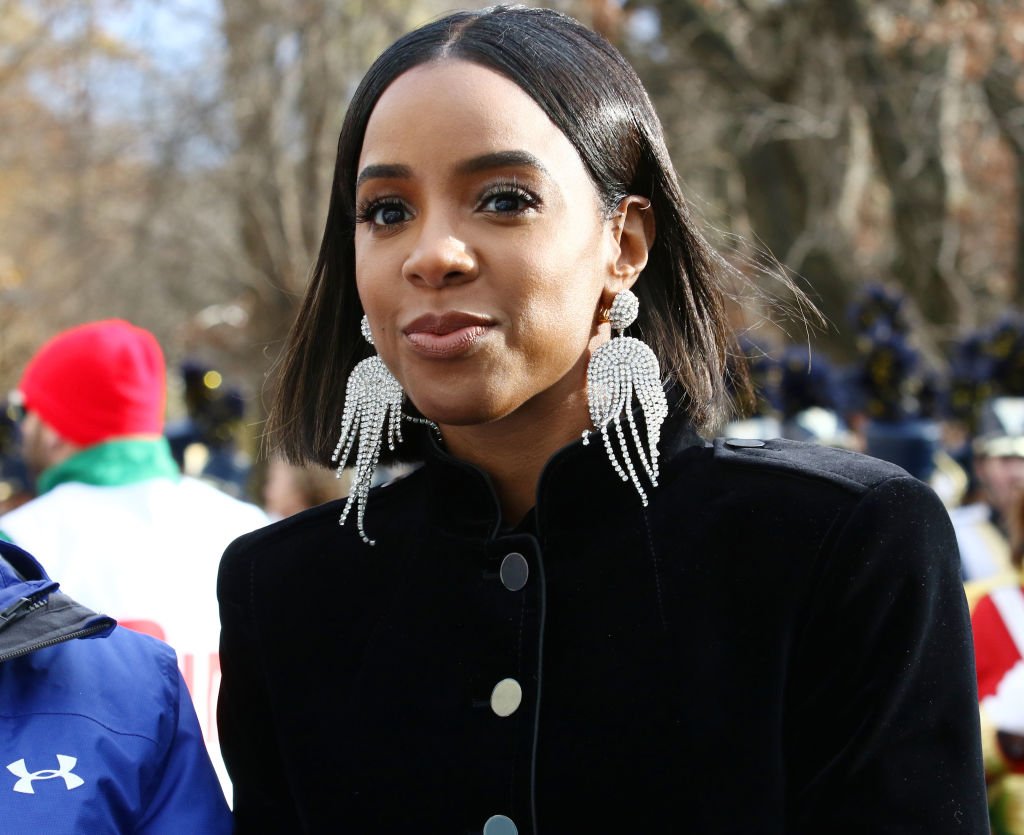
x: 853, y: 140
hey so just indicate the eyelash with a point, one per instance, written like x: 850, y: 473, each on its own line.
x: 367, y: 210
x: 511, y: 187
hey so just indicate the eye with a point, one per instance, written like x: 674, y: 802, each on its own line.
x: 383, y: 213
x: 508, y: 199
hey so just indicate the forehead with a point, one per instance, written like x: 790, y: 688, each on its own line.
x: 454, y: 108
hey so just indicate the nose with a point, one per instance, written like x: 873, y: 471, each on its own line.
x: 440, y: 258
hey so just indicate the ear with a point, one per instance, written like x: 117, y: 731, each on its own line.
x: 632, y: 230
x: 56, y: 447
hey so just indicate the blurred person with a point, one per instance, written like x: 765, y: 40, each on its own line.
x: 984, y: 523
x: 899, y: 427
x: 15, y: 483
x: 990, y: 529
x: 998, y: 628
x: 797, y: 398
x: 99, y: 733
x: 206, y: 442
x: 999, y: 468
x: 289, y: 489
x: 810, y: 397
x: 892, y: 398
x: 117, y: 522
x: 757, y: 412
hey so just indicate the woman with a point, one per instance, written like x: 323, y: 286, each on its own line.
x: 630, y: 631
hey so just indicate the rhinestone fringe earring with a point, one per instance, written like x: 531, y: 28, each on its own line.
x: 373, y: 407
x: 618, y: 370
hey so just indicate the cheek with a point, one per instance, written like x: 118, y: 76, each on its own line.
x: 376, y: 294
x: 562, y: 298
x: 553, y: 333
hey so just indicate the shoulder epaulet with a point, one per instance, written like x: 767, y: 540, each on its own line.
x: 856, y: 471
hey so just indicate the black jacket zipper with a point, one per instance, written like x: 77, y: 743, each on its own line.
x: 50, y: 642
x: 22, y: 607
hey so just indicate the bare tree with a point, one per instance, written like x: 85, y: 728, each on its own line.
x: 290, y: 70
x: 852, y: 140
x: 843, y: 136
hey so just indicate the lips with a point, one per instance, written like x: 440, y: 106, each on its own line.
x: 446, y: 335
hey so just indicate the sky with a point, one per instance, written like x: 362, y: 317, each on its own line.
x: 174, y: 34
x: 168, y: 52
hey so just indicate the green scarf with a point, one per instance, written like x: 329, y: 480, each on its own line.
x: 113, y: 464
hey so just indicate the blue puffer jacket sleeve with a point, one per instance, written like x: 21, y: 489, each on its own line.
x: 97, y: 731
x: 188, y: 797
x: 100, y: 736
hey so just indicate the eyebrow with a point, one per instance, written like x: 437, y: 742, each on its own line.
x: 484, y: 162
x: 384, y: 172
x: 500, y: 159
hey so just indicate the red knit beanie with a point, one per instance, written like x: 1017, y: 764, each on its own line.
x: 98, y: 381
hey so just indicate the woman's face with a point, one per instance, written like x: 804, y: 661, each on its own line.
x: 482, y: 252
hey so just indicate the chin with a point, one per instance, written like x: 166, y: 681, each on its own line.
x: 455, y: 411
x: 464, y: 404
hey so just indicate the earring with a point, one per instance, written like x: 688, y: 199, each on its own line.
x: 373, y: 408
x: 618, y: 370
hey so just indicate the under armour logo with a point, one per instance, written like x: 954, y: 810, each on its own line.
x: 63, y: 770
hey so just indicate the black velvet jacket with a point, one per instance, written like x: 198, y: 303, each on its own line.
x: 778, y: 643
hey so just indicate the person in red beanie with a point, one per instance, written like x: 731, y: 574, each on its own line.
x: 114, y: 518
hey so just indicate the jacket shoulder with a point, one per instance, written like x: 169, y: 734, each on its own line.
x: 317, y: 523
x: 118, y: 712
x: 138, y: 676
x: 853, y: 471
x: 124, y: 682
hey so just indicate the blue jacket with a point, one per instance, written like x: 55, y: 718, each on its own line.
x: 96, y: 736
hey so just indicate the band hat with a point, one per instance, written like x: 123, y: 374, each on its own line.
x: 1004, y: 447
x: 1001, y: 429
x: 98, y: 381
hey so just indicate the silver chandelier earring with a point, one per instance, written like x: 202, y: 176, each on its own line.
x: 373, y: 411
x: 620, y: 369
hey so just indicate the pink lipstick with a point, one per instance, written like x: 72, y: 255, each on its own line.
x: 446, y: 335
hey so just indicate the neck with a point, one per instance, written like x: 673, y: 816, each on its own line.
x: 514, y: 449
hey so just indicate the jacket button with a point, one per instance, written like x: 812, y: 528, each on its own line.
x: 744, y: 443
x: 514, y: 571
x: 506, y: 697
x: 500, y: 825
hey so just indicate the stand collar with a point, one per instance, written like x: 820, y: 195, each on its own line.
x: 577, y: 487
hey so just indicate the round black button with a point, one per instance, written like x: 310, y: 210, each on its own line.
x: 514, y: 571
x: 744, y: 443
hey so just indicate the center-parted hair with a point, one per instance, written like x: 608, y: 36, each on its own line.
x: 592, y: 94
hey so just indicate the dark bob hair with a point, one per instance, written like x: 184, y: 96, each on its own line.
x: 595, y: 98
